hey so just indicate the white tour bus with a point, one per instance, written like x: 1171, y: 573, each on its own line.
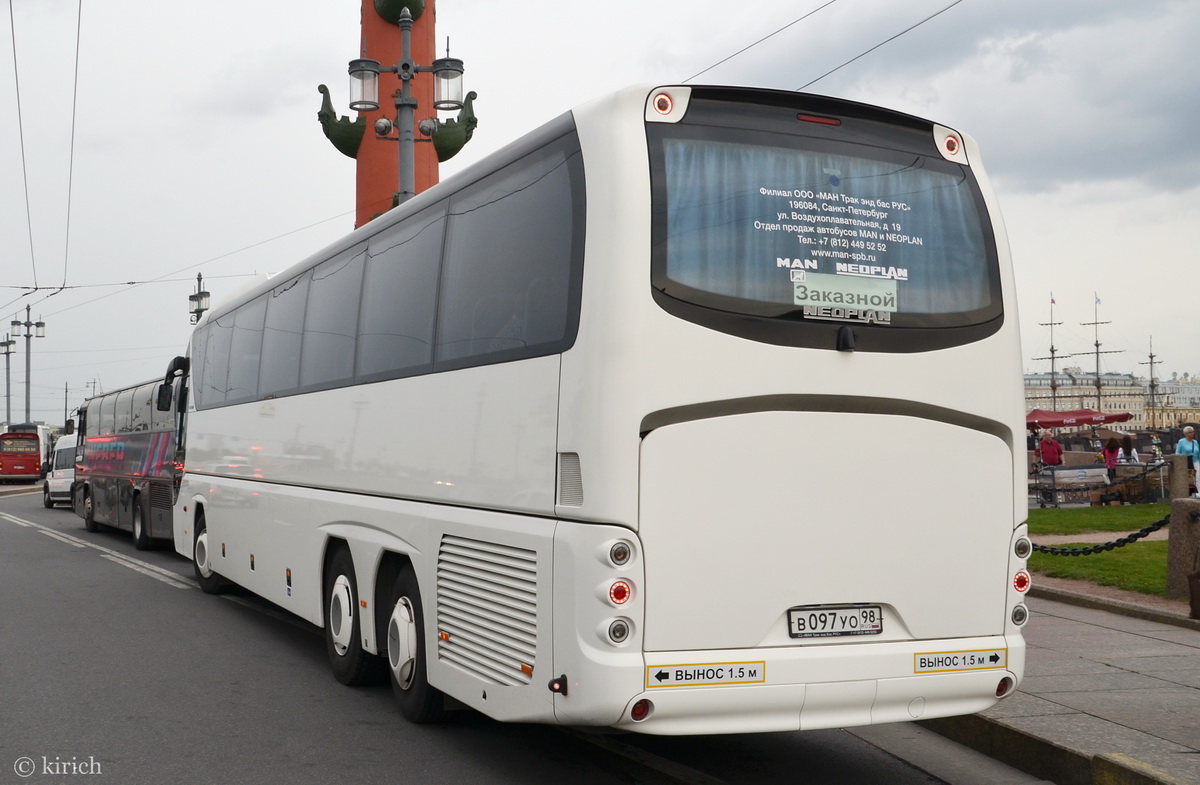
x: 697, y: 410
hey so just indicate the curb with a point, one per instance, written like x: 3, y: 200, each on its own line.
x: 14, y: 491
x: 1043, y: 758
x: 1114, y: 606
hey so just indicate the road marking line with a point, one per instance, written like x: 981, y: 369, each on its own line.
x: 63, y: 538
x: 152, y: 570
x: 137, y: 566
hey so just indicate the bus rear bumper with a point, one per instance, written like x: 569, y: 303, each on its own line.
x: 783, y: 702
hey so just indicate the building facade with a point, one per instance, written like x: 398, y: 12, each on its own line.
x: 1169, y: 404
x: 1072, y: 388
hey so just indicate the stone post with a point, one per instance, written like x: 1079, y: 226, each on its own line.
x: 1179, y: 476
x: 1183, y: 544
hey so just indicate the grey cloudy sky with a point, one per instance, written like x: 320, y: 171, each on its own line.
x: 196, y: 146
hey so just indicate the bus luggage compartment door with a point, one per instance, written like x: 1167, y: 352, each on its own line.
x: 745, y: 516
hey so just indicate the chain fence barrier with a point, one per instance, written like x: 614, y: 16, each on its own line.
x: 1120, y: 542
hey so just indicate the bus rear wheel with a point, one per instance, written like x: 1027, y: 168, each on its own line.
x: 419, y: 701
x: 351, y: 664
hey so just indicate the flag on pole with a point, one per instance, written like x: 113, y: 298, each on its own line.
x: 1097, y: 299
x: 1052, y: 300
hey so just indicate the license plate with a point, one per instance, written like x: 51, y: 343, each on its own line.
x: 831, y: 621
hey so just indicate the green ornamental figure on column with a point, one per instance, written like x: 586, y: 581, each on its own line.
x: 448, y: 136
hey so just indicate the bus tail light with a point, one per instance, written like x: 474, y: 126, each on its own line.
x: 620, y: 592
x: 1004, y: 687
x: 641, y: 710
x: 1022, y: 581
x: 663, y: 103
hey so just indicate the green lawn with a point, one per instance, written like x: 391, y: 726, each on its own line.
x: 1140, y: 567
x: 1124, y: 519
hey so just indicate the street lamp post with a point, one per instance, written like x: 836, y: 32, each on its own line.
x: 39, y: 332
x: 364, y: 97
x: 199, y: 300
x: 7, y: 347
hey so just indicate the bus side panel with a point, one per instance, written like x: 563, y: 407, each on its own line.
x: 480, y: 436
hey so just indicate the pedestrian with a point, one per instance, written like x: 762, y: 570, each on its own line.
x: 1110, y: 453
x: 1191, y: 448
x: 1050, y: 452
x: 1128, y: 452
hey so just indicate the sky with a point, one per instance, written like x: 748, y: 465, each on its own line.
x: 153, y: 142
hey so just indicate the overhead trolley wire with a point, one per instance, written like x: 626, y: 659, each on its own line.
x: 881, y: 43
x: 71, y: 159
x: 759, y: 41
x: 12, y: 26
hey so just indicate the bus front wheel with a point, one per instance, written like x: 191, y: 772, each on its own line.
x: 210, y: 582
x: 89, y: 514
x: 141, y: 540
x: 419, y: 701
x: 351, y: 663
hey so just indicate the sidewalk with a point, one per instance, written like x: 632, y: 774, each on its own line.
x: 1111, y: 691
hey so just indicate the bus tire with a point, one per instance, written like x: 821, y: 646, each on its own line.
x: 89, y: 513
x: 210, y: 582
x: 141, y: 540
x: 419, y: 701
x: 47, y: 502
x: 351, y: 664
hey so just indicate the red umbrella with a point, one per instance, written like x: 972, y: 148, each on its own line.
x: 1040, y: 418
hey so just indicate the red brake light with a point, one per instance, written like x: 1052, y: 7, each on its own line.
x: 620, y: 592
x: 1022, y: 581
x: 663, y: 103
x: 813, y: 118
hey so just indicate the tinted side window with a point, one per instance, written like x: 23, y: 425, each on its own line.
x: 143, y: 406
x: 197, y: 353
x: 93, y: 417
x: 245, y: 351
x: 216, y: 360
x: 280, y: 373
x: 123, y: 420
x: 108, y: 407
x: 331, y: 321
x: 399, y: 297
x: 513, y: 257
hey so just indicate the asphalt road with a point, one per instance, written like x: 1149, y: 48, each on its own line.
x: 114, y: 665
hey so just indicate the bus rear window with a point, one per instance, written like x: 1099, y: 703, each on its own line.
x: 803, y: 229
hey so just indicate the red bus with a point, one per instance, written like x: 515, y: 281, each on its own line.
x: 23, y: 452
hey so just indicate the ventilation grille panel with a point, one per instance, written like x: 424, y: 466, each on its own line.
x: 570, y: 480
x: 487, y: 609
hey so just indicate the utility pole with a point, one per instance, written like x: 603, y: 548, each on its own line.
x: 1053, y: 369
x: 1096, y: 324
x: 1153, y: 385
